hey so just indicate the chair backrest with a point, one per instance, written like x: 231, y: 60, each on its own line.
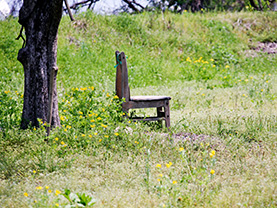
x: 121, y: 84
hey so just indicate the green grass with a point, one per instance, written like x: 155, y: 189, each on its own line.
x: 223, y: 115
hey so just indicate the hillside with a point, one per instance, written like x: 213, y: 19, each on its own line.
x: 219, y: 69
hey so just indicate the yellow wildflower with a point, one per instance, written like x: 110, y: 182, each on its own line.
x: 62, y: 143
x: 108, y: 95
x: 90, y: 135
x: 169, y: 164
x: 158, y: 166
x: 92, y: 126
x: 212, y: 153
x: 106, y: 136
x: 26, y: 194
x: 212, y: 171
x: 47, y: 187
x: 39, y: 187
x: 57, y: 205
x: 174, y: 182
x: 158, y: 180
x: 115, y: 97
x: 100, y: 140
x: 34, y: 171
x: 49, y: 191
x: 227, y: 66
x: 56, y: 138
x: 98, y: 118
x: 57, y: 192
x: 95, y: 133
x: 116, y: 134
x: 181, y: 149
x: 104, y: 126
x: 160, y: 175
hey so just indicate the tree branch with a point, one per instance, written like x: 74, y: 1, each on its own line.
x: 138, y: 4
x: 83, y: 3
x: 131, y: 5
x: 69, y: 10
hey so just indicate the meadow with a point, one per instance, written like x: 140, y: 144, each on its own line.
x: 220, y: 152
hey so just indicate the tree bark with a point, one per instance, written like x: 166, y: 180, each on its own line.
x: 41, y: 19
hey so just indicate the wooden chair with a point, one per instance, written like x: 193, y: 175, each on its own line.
x: 123, y: 91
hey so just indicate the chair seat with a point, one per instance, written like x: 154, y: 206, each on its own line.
x: 148, y: 98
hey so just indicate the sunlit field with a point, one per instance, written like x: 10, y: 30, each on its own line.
x: 221, y: 147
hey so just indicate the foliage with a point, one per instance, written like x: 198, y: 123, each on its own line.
x: 201, y: 5
x: 220, y: 152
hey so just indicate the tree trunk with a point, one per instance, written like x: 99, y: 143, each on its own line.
x: 41, y: 19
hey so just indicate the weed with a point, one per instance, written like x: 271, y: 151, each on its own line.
x: 221, y: 148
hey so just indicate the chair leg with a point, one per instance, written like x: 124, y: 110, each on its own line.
x: 125, y: 111
x: 167, y: 114
x: 160, y: 113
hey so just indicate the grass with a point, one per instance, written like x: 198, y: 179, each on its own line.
x: 221, y: 151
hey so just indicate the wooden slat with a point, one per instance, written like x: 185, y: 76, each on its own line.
x: 148, y: 118
x: 125, y: 83
x: 118, y: 81
x: 149, y: 98
x: 144, y: 104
